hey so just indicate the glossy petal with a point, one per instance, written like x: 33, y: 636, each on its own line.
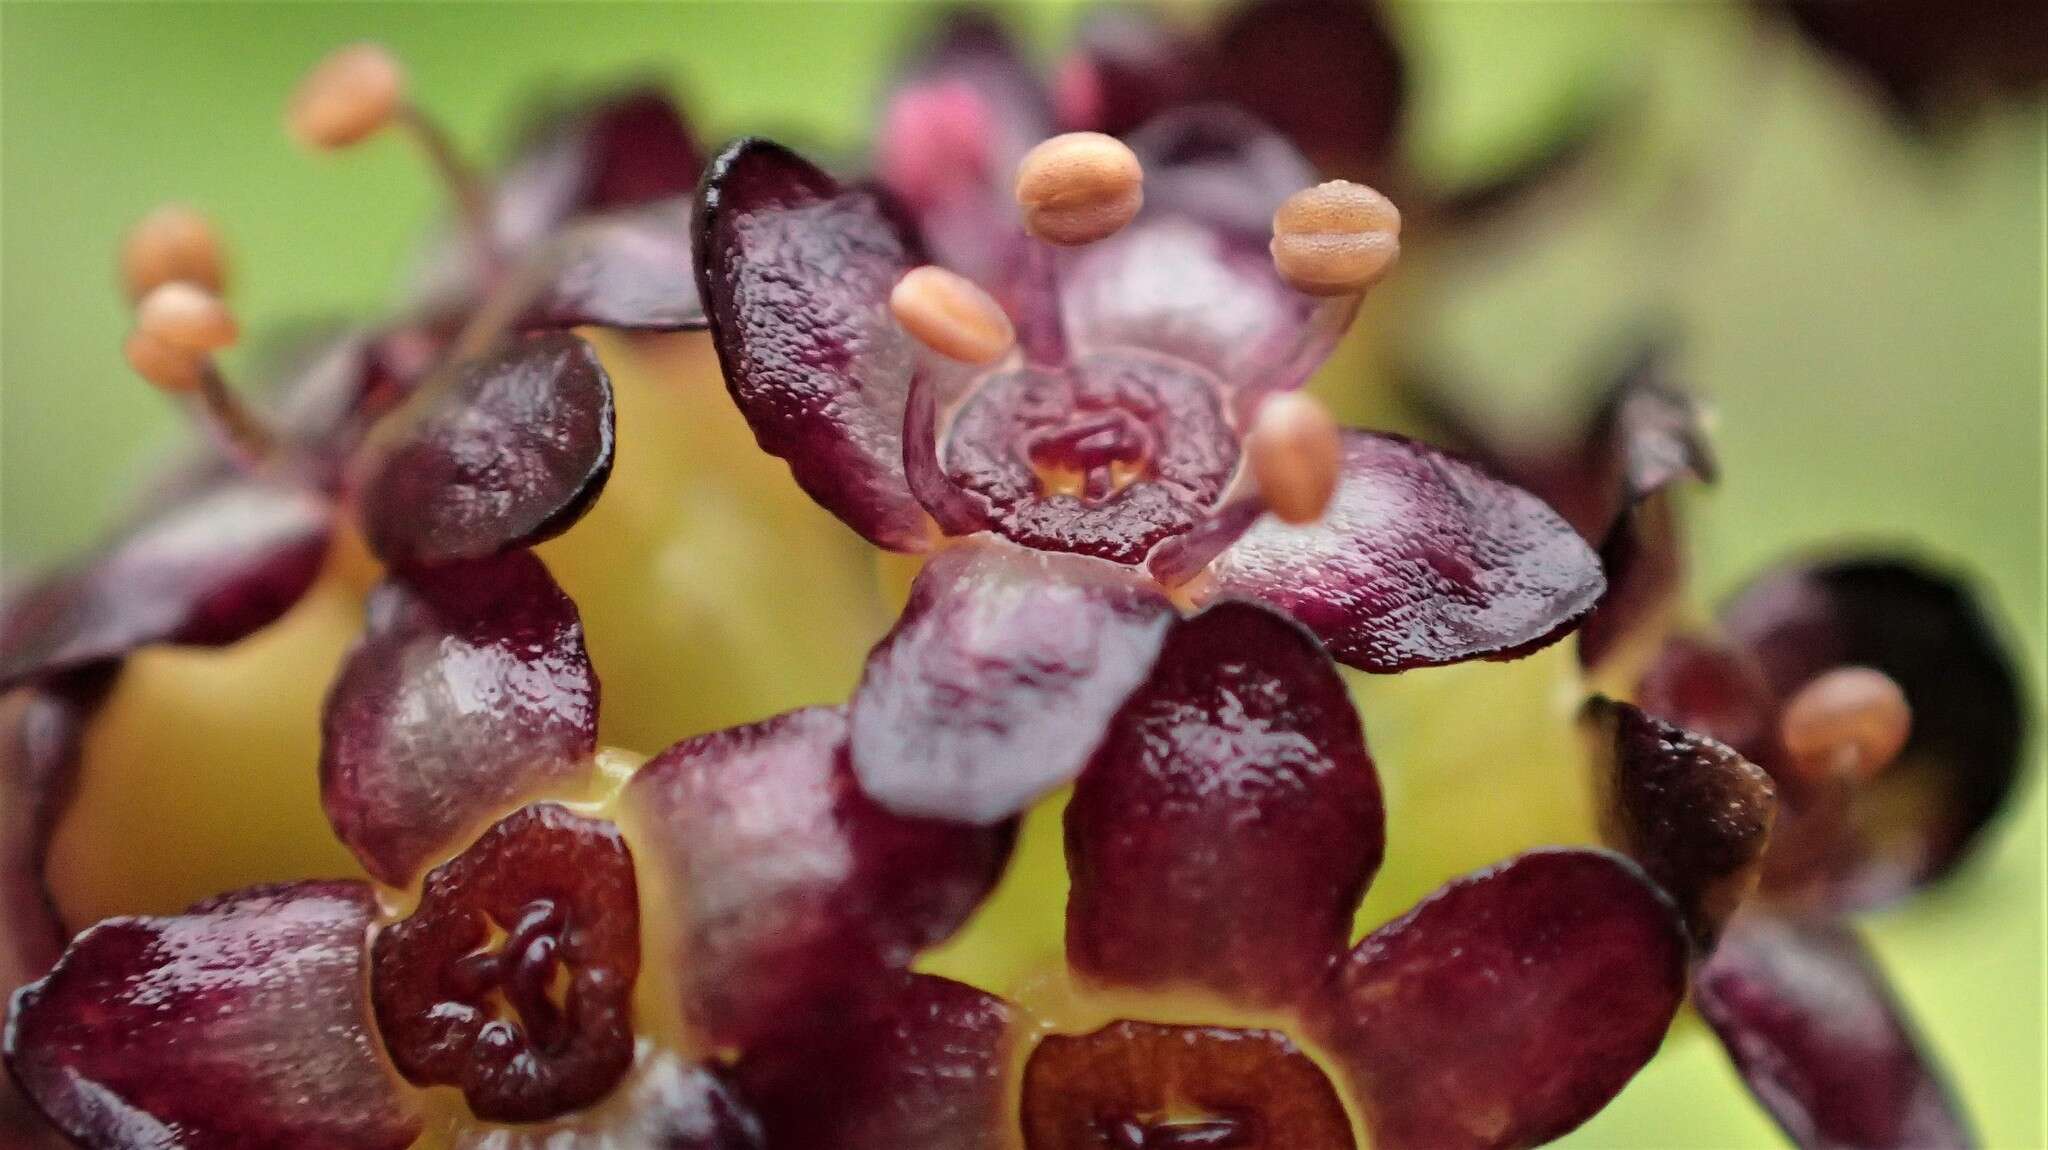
x: 1694, y: 815
x: 1000, y: 679
x: 1929, y: 632
x: 1326, y: 73
x: 1218, y: 164
x: 795, y: 272
x: 215, y: 558
x: 1139, y: 1084
x: 927, y: 1069
x: 624, y: 150
x: 41, y: 731
x: 630, y: 269
x: 1817, y: 1034
x: 1509, y: 1006
x: 1231, y: 820
x: 793, y: 897
x: 1190, y: 290
x: 241, y: 1023
x: 513, y: 977
x: 1420, y: 560
x: 507, y: 451
x: 666, y: 1103
x: 1715, y: 690
x: 469, y: 689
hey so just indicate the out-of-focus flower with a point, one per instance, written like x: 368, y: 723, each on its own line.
x: 1082, y: 487
x: 1926, y: 60
x: 1219, y: 841
x: 758, y: 883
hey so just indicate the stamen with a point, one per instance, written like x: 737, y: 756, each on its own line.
x: 1337, y: 238
x: 1847, y: 724
x: 1078, y: 188
x: 177, y: 328
x: 949, y: 314
x: 358, y: 91
x: 188, y: 316
x: 172, y: 243
x: 955, y: 511
x: 1295, y: 456
x: 1035, y: 303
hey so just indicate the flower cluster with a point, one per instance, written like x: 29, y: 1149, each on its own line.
x: 1055, y: 348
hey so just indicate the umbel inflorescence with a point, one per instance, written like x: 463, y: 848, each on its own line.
x: 1054, y: 350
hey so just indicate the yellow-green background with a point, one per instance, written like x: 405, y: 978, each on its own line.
x: 1868, y: 314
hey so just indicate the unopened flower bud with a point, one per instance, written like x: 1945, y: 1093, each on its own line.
x: 347, y: 97
x: 951, y: 315
x: 1079, y: 188
x: 1336, y: 238
x: 172, y: 243
x: 1296, y: 455
x: 187, y: 316
x: 168, y: 367
x: 1850, y: 723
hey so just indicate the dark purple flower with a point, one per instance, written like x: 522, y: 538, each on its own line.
x: 743, y: 871
x: 1093, y: 477
x: 1219, y: 841
x: 1803, y: 1009
x: 1928, y: 60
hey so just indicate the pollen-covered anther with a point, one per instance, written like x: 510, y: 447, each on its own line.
x: 1079, y: 187
x: 1295, y: 454
x: 170, y: 244
x: 1848, y: 723
x: 166, y: 366
x: 349, y: 96
x: 1337, y: 238
x: 188, y: 316
x: 951, y: 315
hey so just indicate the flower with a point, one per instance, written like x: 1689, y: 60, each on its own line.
x: 1926, y: 60
x: 757, y: 883
x: 1089, y: 483
x: 1817, y: 668
x: 1219, y: 841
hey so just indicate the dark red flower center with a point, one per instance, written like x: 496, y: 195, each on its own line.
x: 513, y: 980
x: 1106, y: 456
x: 1144, y: 1086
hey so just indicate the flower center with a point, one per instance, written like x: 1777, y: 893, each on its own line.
x: 1144, y: 1086
x: 513, y: 979
x: 1105, y: 457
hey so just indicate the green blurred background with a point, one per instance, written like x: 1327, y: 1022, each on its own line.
x: 1866, y: 311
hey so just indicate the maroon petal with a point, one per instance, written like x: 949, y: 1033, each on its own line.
x: 624, y: 150
x: 1929, y: 632
x: 999, y: 679
x: 629, y: 269
x: 665, y: 1103
x: 1509, y: 1006
x: 207, y: 565
x: 794, y: 897
x: 1815, y: 1031
x: 505, y: 452
x: 1326, y: 73
x: 1227, y: 827
x: 241, y: 1023
x: 1218, y: 164
x: 469, y: 689
x: 1420, y: 560
x: 1925, y: 60
x: 927, y: 1070
x: 1191, y: 290
x: 1716, y: 690
x: 1695, y: 815
x: 795, y: 272
x: 41, y: 730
